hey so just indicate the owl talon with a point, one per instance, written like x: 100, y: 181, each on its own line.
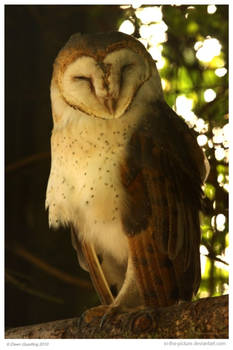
x: 110, y: 313
x: 80, y: 320
x: 92, y: 314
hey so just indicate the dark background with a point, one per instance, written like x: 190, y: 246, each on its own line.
x: 33, y: 36
x: 43, y: 279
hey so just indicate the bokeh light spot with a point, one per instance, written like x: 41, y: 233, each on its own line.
x: 220, y: 72
x: 219, y: 153
x: 211, y: 9
x: 149, y: 14
x: 127, y: 27
x: 220, y: 222
x: 202, y: 140
x: 207, y: 49
x: 209, y: 95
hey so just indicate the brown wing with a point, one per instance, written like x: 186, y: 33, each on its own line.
x: 163, y: 177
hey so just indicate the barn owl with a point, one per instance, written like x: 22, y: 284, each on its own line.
x: 126, y: 173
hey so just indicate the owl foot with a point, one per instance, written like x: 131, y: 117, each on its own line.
x: 105, y: 320
x: 114, y: 310
x: 110, y: 313
x: 101, y: 315
x: 94, y: 313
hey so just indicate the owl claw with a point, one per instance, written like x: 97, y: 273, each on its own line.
x: 80, y: 320
x: 136, y: 321
x: 100, y: 314
x: 109, y: 314
x: 92, y: 314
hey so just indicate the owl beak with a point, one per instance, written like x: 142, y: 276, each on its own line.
x: 110, y: 103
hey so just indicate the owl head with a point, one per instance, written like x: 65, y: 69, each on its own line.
x: 103, y: 74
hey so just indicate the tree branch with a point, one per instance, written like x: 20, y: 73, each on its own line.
x: 204, y: 318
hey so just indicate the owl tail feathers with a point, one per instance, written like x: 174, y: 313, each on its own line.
x: 154, y: 271
x: 98, y: 278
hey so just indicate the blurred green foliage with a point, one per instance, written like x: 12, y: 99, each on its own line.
x: 186, y: 75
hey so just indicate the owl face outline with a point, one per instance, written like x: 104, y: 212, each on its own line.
x: 102, y: 81
x: 106, y: 88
